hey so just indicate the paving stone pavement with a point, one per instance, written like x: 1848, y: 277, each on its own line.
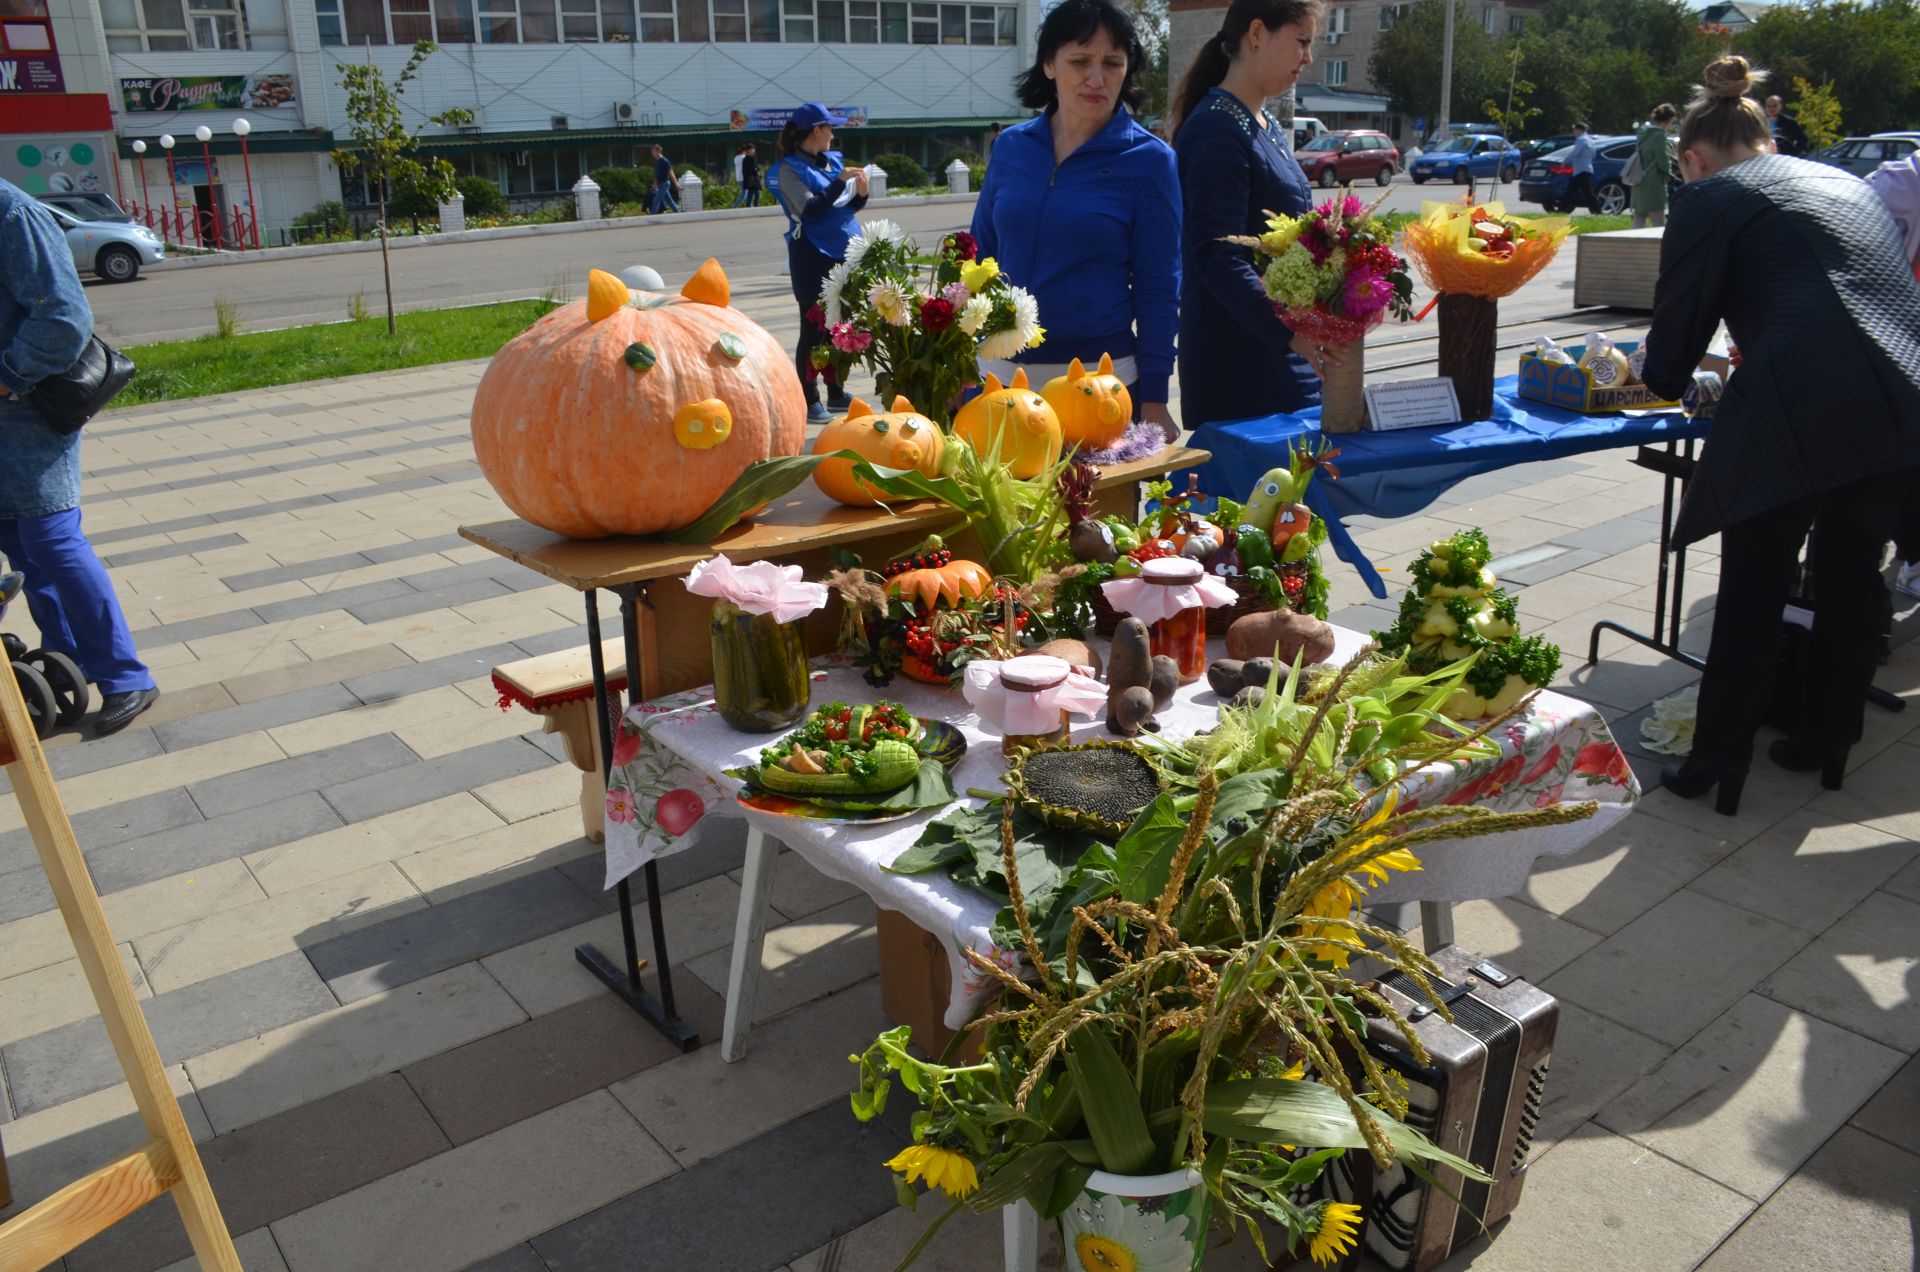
x: 350, y: 888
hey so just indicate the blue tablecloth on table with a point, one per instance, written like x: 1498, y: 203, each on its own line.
x: 1396, y: 474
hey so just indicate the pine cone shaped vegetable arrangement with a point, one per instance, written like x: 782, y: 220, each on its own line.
x: 1455, y: 609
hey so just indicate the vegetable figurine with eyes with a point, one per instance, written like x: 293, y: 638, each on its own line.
x: 633, y: 412
x: 901, y: 438
x: 1094, y: 407
x: 1014, y: 424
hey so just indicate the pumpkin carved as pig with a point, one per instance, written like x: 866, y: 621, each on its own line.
x: 633, y: 412
x: 901, y: 438
x: 1013, y: 424
x: 1094, y: 407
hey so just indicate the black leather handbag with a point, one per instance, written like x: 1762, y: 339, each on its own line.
x: 82, y: 391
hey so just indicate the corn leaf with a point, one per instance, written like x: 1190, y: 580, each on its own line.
x: 764, y: 481
x: 1291, y: 1111
x: 1110, y: 1103
x: 1027, y: 1169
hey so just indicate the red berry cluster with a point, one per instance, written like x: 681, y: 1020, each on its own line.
x: 1154, y: 549
x: 920, y: 561
x: 1293, y: 585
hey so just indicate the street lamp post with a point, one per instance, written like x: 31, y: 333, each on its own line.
x: 146, y: 200
x: 242, y: 127
x: 173, y: 194
x: 203, y: 135
x: 1446, y: 72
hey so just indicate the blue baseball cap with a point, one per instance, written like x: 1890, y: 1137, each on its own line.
x: 811, y: 115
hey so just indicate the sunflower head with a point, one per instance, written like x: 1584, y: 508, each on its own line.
x: 952, y: 1173
x: 1335, y: 1235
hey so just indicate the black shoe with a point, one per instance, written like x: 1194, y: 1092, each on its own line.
x: 1696, y: 777
x: 839, y: 405
x: 1797, y: 756
x: 117, y: 710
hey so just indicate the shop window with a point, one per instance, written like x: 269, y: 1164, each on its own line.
x: 953, y: 24
x: 453, y: 20
x: 580, y: 21
x: 798, y: 28
x: 216, y: 24
x: 1336, y: 73
x: 412, y: 20
x: 980, y: 24
x: 366, y: 21
x: 893, y: 22
x: 617, y: 22
x: 1009, y: 26
x: 730, y: 21
x: 326, y: 14
x: 863, y: 21
x: 656, y: 22
x: 499, y: 22
x: 833, y: 21
x: 926, y: 24
x: 538, y: 22
x: 764, y: 21
x: 693, y: 21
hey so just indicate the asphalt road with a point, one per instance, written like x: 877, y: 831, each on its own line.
x: 164, y: 304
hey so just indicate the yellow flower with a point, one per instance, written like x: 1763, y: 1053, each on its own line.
x: 977, y: 275
x: 1334, y: 1237
x: 952, y: 1173
x: 1280, y: 235
x: 1039, y: 337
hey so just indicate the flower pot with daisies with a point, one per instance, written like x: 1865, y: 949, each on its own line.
x: 1173, y: 1051
x: 920, y: 322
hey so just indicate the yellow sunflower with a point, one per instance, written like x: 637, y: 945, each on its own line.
x: 1335, y: 1235
x: 952, y: 1173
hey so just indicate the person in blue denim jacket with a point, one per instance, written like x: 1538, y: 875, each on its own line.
x: 44, y: 325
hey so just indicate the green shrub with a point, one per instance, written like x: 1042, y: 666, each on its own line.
x: 619, y: 185
x: 901, y: 170
x: 412, y: 205
x: 325, y: 220
x: 483, y: 196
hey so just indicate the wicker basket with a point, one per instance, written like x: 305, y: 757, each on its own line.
x: 1250, y: 601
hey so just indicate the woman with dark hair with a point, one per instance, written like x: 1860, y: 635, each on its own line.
x: 821, y: 197
x: 1237, y: 359
x: 1081, y: 208
x: 1819, y: 427
x: 1655, y: 150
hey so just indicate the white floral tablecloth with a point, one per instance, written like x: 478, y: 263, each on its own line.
x: 670, y: 753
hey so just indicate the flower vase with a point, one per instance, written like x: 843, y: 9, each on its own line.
x: 1343, y: 400
x: 1150, y: 1223
x: 1469, y: 333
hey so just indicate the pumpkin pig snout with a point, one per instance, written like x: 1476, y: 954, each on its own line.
x: 702, y: 425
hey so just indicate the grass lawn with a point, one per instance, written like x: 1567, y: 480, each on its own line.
x: 261, y: 359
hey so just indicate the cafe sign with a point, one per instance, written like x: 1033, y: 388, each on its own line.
x: 161, y: 95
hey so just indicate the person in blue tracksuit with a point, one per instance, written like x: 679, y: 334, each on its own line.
x: 1081, y: 206
x: 822, y: 198
x: 44, y: 327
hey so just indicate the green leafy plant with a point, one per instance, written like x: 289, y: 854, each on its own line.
x: 1184, y: 999
x: 383, y: 147
x: 226, y: 317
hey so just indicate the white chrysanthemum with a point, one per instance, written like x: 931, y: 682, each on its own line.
x: 974, y: 315
x: 830, y: 293
x: 1105, y: 1232
x: 1002, y: 344
x: 889, y: 300
x: 1669, y: 730
x: 873, y: 232
x: 1026, y: 314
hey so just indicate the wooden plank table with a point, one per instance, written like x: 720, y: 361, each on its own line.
x: 663, y: 627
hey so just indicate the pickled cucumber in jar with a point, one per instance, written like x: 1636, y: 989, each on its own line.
x: 760, y: 681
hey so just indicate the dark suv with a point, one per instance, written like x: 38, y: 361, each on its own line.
x: 1341, y: 158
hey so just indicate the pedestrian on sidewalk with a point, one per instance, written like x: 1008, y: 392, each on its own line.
x: 1580, y: 188
x: 666, y: 183
x: 1654, y: 149
x: 821, y: 197
x: 749, y: 177
x: 1789, y: 138
x: 45, y: 325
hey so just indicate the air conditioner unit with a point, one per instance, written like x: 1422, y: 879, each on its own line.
x: 626, y: 113
x: 559, y: 123
x: 1334, y: 37
x: 476, y: 120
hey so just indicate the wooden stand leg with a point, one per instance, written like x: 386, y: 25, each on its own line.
x: 1020, y: 1237
x: 579, y: 727
x: 1436, y: 924
x: 749, y: 936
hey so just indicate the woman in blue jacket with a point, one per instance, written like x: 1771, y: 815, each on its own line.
x: 1081, y: 208
x: 820, y: 196
x: 1237, y: 359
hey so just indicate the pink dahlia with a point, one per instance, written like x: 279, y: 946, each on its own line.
x: 1367, y: 293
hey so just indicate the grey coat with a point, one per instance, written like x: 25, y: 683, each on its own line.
x: 1804, y: 264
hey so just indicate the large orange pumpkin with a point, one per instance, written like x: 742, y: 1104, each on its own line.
x: 1094, y: 406
x: 899, y: 439
x: 612, y: 416
x: 1012, y: 423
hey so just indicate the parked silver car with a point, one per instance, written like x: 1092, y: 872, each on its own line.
x: 1861, y: 155
x: 104, y: 237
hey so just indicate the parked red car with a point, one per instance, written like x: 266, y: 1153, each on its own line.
x: 1339, y: 158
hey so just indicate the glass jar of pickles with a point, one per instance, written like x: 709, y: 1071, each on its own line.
x: 1182, y: 635
x: 1023, y: 680
x: 760, y: 682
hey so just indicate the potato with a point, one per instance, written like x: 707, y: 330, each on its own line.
x: 1256, y: 671
x: 1251, y: 696
x: 1129, y: 655
x: 1164, y: 679
x: 1281, y: 635
x: 1224, y: 676
x: 1130, y: 710
x: 1075, y: 653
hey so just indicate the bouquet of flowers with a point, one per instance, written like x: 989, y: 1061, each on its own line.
x: 1478, y: 250
x: 920, y: 323
x: 1332, y: 275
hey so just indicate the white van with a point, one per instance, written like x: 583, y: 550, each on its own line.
x: 1305, y: 129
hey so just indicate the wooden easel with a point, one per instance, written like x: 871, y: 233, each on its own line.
x: 168, y: 1161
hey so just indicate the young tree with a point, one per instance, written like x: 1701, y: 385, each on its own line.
x: 1818, y: 111
x: 1406, y: 62
x: 384, y: 147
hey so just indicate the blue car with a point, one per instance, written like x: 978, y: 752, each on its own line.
x: 1476, y: 154
x: 1548, y: 180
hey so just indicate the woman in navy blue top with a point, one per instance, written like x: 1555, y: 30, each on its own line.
x: 1236, y: 358
x: 1081, y: 207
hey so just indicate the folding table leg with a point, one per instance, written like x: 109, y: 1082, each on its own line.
x: 1020, y: 1237
x: 1436, y: 924
x: 749, y: 935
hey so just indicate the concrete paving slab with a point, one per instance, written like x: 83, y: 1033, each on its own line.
x: 1808, y: 870
x: 1860, y: 973
x: 1623, y: 873
x: 1856, y: 1201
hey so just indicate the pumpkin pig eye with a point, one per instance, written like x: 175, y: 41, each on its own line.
x: 879, y: 426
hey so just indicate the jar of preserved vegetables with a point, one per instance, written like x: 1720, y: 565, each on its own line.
x: 1182, y: 634
x: 1024, y: 680
x: 760, y: 681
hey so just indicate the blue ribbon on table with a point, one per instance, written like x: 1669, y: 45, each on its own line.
x: 1398, y: 473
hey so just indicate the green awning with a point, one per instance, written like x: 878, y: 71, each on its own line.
x: 569, y: 138
x: 311, y: 141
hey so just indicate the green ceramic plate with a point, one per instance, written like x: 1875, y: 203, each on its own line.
x: 941, y: 741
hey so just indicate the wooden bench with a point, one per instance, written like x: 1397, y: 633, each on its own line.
x: 559, y: 688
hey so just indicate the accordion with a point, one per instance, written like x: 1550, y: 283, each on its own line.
x: 1479, y: 1098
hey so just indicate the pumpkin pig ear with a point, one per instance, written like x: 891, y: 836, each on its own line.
x: 709, y: 286
x: 1019, y: 379
x: 993, y: 384
x: 858, y: 409
x: 1075, y: 371
x: 606, y: 295
x: 901, y: 406
x: 1106, y: 364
